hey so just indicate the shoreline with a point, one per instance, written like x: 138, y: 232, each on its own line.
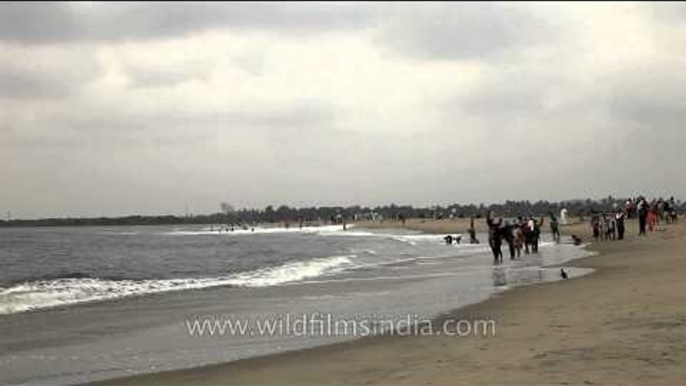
x: 248, y: 370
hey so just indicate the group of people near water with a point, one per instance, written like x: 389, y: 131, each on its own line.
x: 522, y: 234
x: 229, y: 228
x: 608, y: 225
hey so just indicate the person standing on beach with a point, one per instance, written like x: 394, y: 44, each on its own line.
x: 536, y: 234
x: 672, y: 210
x: 508, y: 233
x: 472, y: 232
x: 554, y: 227
x: 494, y: 236
x: 642, y: 216
x: 595, y: 224
x: 563, y: 216
x: 619, y: 219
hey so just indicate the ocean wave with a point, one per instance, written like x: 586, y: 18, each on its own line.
x: 259, y: 230
x: 40, y: 294
x: 326, y: 230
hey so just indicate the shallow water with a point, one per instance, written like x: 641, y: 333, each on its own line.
x: 92, y: 303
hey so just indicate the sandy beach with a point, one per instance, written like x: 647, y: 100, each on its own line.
x: 342, y: 193
x: 624, y: 324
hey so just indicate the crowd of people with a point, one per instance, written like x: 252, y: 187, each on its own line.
x: 523, y: 233
x: 610, y: 225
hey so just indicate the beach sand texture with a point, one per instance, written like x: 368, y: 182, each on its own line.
x: 624, y: 324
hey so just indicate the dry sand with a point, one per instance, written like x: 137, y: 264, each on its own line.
x: 624, y: 324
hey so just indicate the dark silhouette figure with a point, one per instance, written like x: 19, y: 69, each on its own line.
x: 576, y: 240
x: 495, y: 237
x: 595, y: 223
x: 619, y: 219
x: 472, y: 233
x: 554, y: 227
x: 564, y: 274
x: 507, y: 233
x: 533, y: 233
x: 642, y: 217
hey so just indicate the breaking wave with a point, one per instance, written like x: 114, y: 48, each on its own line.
x: 40, y: 294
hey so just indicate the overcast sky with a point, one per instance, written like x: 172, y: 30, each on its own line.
x: 113, y: 109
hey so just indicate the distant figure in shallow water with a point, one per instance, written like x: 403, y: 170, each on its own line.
x: 449, y: 239
x: 508, y: 233
x: 564, y: 274
x: 472, y: 233
x: 576, y: 240
x: 554, y: 227
x: 495, y: 237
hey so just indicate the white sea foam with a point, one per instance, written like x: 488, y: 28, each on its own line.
x: 51, y: 293
x: 327, y: 230
x: 258, y: 230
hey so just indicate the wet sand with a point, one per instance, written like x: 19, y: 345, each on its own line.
x: 624, y: 324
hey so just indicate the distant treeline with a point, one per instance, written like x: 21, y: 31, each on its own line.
x: 319, y: 215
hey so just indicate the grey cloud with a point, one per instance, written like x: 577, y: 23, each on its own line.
x: 107, y: 125
x: 651, y: 95
x: 18, y: 85
x: 165, y: 77
x: 59, y: 22
x: 557, y: 111
x: 460, y: 30
x: 45, y: 74
x: 511, y: 93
